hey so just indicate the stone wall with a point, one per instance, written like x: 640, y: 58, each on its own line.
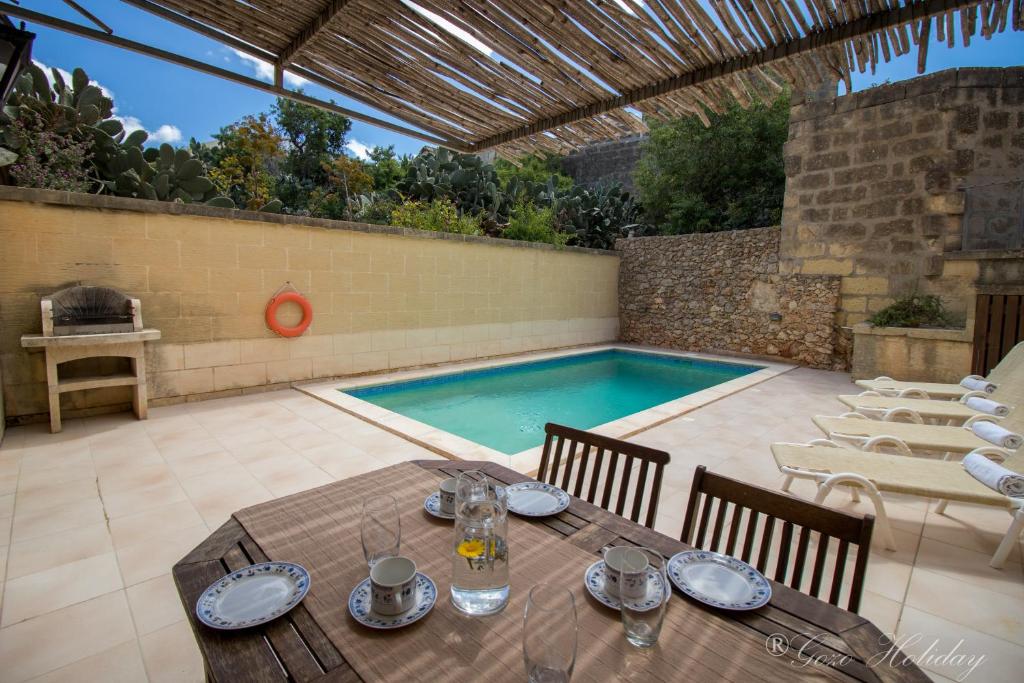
x: 910, y: 354
x: 606, y: 163
x: 383, y: 298
x: 723, y: 292
x: 878, y: 181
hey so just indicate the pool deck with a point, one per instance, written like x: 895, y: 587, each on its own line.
x: 93, y: 518
x: 527, y: 461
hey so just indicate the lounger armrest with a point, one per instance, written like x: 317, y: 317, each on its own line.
x: 973, y: 394
x: 895, y: 415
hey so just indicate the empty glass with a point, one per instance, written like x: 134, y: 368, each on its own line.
x: 549, y: 634
x: 380, y: 529
x: 642, y: 616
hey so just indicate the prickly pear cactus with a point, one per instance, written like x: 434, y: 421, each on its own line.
x: 122, y: 166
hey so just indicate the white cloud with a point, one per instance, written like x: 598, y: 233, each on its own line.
x: 358, y: 149
x: 165, y: 133
x: 264, y: 70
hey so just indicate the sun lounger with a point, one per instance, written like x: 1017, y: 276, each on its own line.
x: 829, y: 465
x: 938, y: 390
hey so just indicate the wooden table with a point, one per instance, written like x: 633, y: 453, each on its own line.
x: 843, y: 645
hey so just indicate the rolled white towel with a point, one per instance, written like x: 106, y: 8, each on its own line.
x: 977, y: 384
x: 994, y: 475
x: 985, y: 405
x: 997, y: 434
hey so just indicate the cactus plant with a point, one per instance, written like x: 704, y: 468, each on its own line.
x: 120, y: 164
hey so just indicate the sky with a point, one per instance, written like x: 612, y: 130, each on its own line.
x: 174, y: 103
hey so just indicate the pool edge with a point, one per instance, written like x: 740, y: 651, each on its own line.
x: 454, y: 447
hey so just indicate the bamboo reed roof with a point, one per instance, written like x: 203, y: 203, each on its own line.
x: 524, y: 76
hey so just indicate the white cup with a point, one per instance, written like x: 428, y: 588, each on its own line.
x: 393, y: 585
x: 625, y: 571
x: 446, y: 493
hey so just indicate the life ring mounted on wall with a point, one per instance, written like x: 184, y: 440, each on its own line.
x: 291, y: 295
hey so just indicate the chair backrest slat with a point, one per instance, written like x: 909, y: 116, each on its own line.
x: 734, y: 529
x: 619, y: 494
x: 584, y: 461
x: 806, y: 523
x: 820, y: 558
x: 748, y: 542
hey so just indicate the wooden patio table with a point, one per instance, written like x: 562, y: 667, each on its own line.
x: 794, y: 637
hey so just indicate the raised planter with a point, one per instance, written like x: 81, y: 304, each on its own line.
x: 910, y: 353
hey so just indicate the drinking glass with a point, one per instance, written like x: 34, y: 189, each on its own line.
x: 549, y: 634
x: 380, y: 529
x: 642, y: 617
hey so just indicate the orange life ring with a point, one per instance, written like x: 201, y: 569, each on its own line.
x: 284, y: 297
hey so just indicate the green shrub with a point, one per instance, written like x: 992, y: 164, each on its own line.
x: 914, y: 311
x: 531, y: 224
x: 439, y: 215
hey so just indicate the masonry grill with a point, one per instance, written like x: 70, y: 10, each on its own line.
x: 86, y: 322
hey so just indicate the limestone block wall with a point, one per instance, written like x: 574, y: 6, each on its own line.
x: 383, y: 298
x: 723, y: 292
x: 878, y: 181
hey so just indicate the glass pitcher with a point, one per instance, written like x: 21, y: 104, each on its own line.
x: 480, y: 550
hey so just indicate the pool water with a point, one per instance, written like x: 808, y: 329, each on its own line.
x: 506, y: 407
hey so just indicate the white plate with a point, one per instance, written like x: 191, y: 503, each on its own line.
x: 253, y: 595
x: 359, y: 605
x: 719, y: 580
x: 593, y: 579
x: 433, y: 505
x: 536, y: 499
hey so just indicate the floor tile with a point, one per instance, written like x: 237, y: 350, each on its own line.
x: 53, y: 495
x: 134, y: 501
x: 159, y: 521
x: 171, y: 655
x: 982, y: 658
x: 972, y: 605
x: 155, y: 604
x: 157, y: 555
x: 119, y: 664
x: 60, y: 518
x: 34, y: 594
x: 45, y: 552
x: 56, y: 639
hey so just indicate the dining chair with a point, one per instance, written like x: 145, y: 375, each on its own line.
x: 600, y: 470
x: 757, y: 512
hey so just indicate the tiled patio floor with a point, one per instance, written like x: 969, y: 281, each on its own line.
x: 92, y: 519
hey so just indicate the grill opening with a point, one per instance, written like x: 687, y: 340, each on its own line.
x: 86, y: 309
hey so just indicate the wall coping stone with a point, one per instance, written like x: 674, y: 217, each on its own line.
x: 95, y: 201
x: 964, y: 77
x: 718, y: 234
x: 956, y: 335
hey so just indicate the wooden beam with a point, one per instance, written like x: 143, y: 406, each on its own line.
x: 867, y: 24
x: 307, y: 34
x: 181, y: 60
x: 308, y: 74
x: 88, y: 15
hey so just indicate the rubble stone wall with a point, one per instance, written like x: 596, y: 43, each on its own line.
x: 723, y: 292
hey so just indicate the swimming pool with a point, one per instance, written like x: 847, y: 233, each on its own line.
x: 506, y: 407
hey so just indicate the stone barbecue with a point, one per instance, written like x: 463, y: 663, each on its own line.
x: 91, y: 322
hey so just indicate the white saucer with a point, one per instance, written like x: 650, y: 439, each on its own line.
x: 719, y: 580
x: 433, y: 505
x: 536, y: 499
x: 253, y: 595
x: 359, y: 605
x: 594, y: 577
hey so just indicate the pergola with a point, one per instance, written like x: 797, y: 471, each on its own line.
x: 527, y: 76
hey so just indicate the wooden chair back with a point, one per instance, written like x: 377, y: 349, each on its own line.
x: 602, y: 473
x: 705, y: 528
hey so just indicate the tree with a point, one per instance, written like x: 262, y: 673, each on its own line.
x: 313, y: 136
x: 533, y: 169
x: 386, y: 168
x: 245, y: 154
x: 726, y: 176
